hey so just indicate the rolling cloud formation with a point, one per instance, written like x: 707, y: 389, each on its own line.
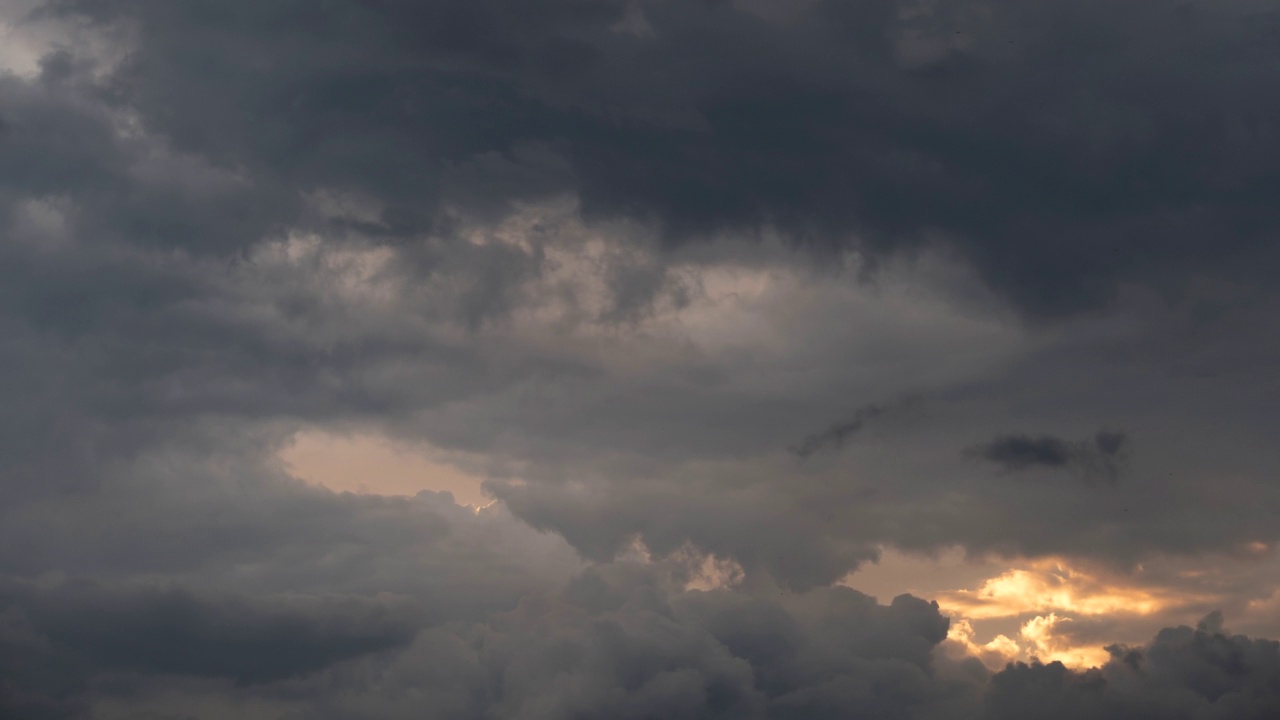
x: 617, y: 260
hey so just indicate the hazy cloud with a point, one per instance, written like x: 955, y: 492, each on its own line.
x: 838, y: 434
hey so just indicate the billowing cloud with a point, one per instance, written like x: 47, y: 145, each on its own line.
x: 1200, y: 672
x: 612, y: 265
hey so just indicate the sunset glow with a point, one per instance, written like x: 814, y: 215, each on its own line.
x: 1052, y: 585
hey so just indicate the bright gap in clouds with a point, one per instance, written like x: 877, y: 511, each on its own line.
x: 367, y: 464
x: 1060, y: 610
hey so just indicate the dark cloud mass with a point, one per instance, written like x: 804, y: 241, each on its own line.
x: 610, y: 261
x: 1064, y: 149
x: 170, y: 630
x: 1100, y: 457
x: 1020, y: 451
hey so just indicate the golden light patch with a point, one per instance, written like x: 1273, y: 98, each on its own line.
x: 1042, y: 599
x: 367, y: 464
x: 1053, y: 585
x: 994, y: 654
x: 1046, y: 645
x: 1039, y: 639
x: 1026, y: 612
x: 1053, y: 591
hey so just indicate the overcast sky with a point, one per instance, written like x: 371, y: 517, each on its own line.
x: 639, y: 359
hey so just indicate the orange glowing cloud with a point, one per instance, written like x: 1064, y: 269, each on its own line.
x: 1040, y: 638
x: 1054, y: 593
x: 1042, y: 609
x: 994, y: 654
x: 1048, y: 586
x: 1046, y: 645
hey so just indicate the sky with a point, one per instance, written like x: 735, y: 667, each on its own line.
x: 629, y: 359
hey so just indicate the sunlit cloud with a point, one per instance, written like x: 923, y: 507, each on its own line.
x: 1055, y: 586
x: 1044, y: 641
x: 1059, y: 609
x: 995, y: 653
x: 1055, y: 593
x: 1043, y: 638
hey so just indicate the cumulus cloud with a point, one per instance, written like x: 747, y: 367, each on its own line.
x: 619, y: 640
x: 604, y: 258
x: 1200, y: 672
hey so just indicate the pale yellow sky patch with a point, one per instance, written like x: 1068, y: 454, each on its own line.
x: 373, y: 465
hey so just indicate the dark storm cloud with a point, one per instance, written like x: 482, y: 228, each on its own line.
x: 618, y: 641
x: 838, y: 434
x: 621, y: 641
x: 1064, y: 148
x: 162, y: 289
x: 170, y: 630
x: 1100, y: 457
x: 236, y: 218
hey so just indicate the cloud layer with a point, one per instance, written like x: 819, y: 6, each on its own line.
x: 717, y: 300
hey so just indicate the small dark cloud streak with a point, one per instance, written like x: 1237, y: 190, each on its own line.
x: 1101, y: 457
x: 835, y: 436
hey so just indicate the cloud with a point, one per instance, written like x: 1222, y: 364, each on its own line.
x: 618, y: 641
x: 623, y: 639
x: 1021, y: 451
x: 1184, y: 672
x: 881, y: 125
x: 170, y: 630
x: 838, y: 434
x: 1055, y: 585
x: 602, y: 256
x: 1101, y: 458
x: 455, y: 241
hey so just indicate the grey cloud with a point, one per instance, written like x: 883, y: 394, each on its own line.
x: 253, y: 533
x: 170, y: 630
x: 1183, y: 673
x: 121, y: 343
x: 381, y: 217
x: 1021, y: 451
x: 838, y: 434
x: 620, y: 640
x: 1100, y: 458
x: 1059, y: 160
